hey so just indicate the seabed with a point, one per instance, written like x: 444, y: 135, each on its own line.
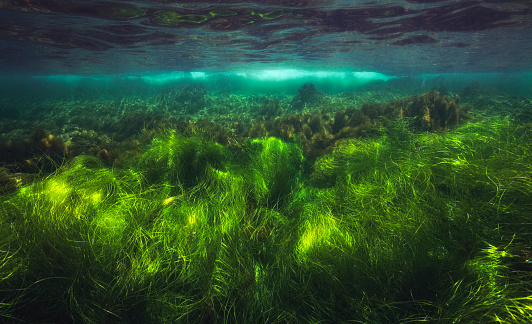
x: 324, y: 217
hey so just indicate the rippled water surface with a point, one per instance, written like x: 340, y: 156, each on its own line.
x: 394, y: 37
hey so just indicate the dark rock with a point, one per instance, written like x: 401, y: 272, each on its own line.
x: 308, y: 94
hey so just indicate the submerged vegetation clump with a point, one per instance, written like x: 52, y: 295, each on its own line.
x: 274, y: 171
x: 321, y: 131
x: 180, y: 161
x: 330, y: 216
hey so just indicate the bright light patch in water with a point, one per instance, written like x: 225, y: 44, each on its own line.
x: 372, y: 76
x: 293, y: 74
x: 198, y: 75
x: 274, y: 75
x: 161, y: 78
x: 257, y: 75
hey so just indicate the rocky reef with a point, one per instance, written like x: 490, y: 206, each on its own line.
x: 308, y: 94
x: 316, y: 121
x: 21, y: 161
x: 41, y: 151
x: 319, y: 132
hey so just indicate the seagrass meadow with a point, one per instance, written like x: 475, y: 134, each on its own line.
x: 401, y: 226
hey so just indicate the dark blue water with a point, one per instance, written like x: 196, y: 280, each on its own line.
x: 401, y: 37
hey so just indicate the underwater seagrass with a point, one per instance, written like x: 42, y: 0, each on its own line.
x: 405, y: 226
x: 275, y: 170
x: 181, y: 161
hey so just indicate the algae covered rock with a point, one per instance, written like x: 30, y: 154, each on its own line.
x: 308, y: 94
x: 41, y: 152
x: 435, y: 112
